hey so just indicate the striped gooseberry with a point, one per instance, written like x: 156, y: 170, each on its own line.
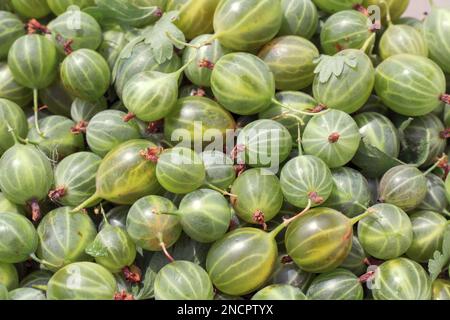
x: 300, y: 18
x: 279, y: 292
x: 387, y: 233
x: 339, y: 284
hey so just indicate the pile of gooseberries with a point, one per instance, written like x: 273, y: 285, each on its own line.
x: 224, y: 149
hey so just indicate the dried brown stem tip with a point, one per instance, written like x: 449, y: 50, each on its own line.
x: 152, y: 154
x: 199, y: 92
x: 132, y: 274
x: 159, y: 13
x: 239, y: 168
x: 34, y: 26
x: 334, y: 137
x: 118, y: 296
x: 314, y: 196
x: 155, y: 126
x: 237, y: 150
x: 445, y: 134
x: 319, y: 108
x: 205, y: 63
x: 35, y: 210
x: 80, y: 127
x: 56, y: 194
x: 128, y: 117
x: 258, y: 217
x: 286, y: 260
x: 362, y: 9
x: 367, y: 277
x: 445, y: 98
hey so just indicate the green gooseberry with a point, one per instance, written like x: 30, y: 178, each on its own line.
x: 356, y: 260
x: 348, y: 29
x: 401, y: 279
x: 86, y: 74
x: 321, y: 240
x: 306, y: 179
x: 60, y: 6
x: 441, y: 289
x: 220, y: 171
x: 205, y: 215
x: 33, y: 61
x: 59, y: 140
x: 339, y: 284
x: 8, y: 206
x: 75, y: 178
x: 36, y: 278
x: 404, y: 186
x: 31, y: 8
x: 183, y: 280
x: 350, y: 192
x: 82, y: 281
x: 28, y: 294
x: 428, y: 232
x: 398, y: 39
x: 280, y: 292
x: 11, y: 90
x: 400, y: 84
x: 198, y: 121
x: 125, y: 175
x: 396, y: 7
x: 332, y: 6
x: 86, y: 35
x: 256, y: 196
x: 152, y: 225
x: 435, y: 199
x: 243, y: 83
x: 349, y: 90
x: 109, y: 129
x: 9, y: 276
x: 57, y: 98
x: 265, y: 143
x: 57, y: 249
x: 300, y: 18
x: 435, y: 27
x: 237, y: 29
x: 199, y: 71
x: 26, y: 176
x: 180, y: 170
x: 112, y: 248
x: 13, y: 118
x: 82, y: 111
x: 117, y: 217
x: 380, y: 134
x: 19, y: 238
x: 387, y: 233
x: 195, y: 16
x: 11, y: 28
x: 114, y: 40
x: 333, y: 137
x: 291, y: 60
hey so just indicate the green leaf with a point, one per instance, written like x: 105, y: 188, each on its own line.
x: 328, y: 66
x: 387, y: 162
x: 96, y: 249
x: 123, y: 12
x: 156, y: 36
x: 126, y: 54
x: 440, y: 260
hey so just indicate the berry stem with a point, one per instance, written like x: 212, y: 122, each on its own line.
x: 43, y: 262
x: 367, y: 44
x: 355, y: 220
x: 299, y: 140
x: 287, y: 222
x: 278, y: 103
x: 164, y: 249
x: 289, y: 115
x: 440, y: 163
x: 89, y: 202
x: 36, y: 111
x: 225, y: 193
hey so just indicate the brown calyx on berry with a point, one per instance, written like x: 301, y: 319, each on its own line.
x: 152, y: 154
x: 319, y: 108
x: 129, y: 116
x: 56, y: 194
x: 205, y: 63
x: 338, y: 47
x: 372, y: 262
x: 199, y: 92
x: 239, y: 148
x: 286, y: 259
x: 334, y: 137
x: 34, y: 26
x: 445, y: 134
x: 132, y: 274
x: 444, y: 165
x: 155, y: 127
x: 445, y: 98
x: 367, y: 277
x: 80, y: 127
x: 362, y: 9
x: 35, y: 210
x: 239, y: 168
x: 159, y: 12
x: 315, y: 198
x: 118, y: 296
x: 43, y: 107
x: 258, y: 217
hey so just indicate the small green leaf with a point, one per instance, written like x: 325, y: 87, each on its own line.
x: 327, y: 66
x: 126, y: 54
x: 440, y: 260
x: 156, y: 36
x: 123, y: 12
x: 387, y: 162
x: 96, y: 249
